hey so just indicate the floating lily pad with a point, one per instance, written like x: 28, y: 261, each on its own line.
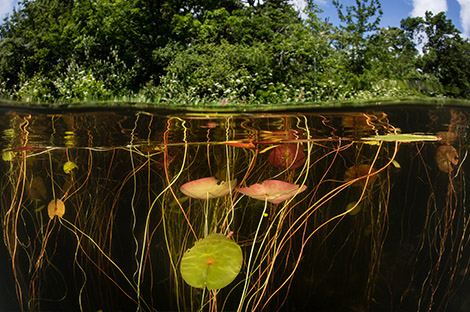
x: 405, y: 138
x: 213, y: 262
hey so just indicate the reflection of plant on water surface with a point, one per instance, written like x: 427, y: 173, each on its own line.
x: 157, y: 223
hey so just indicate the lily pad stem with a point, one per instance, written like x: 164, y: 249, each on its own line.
x: 248, y: 274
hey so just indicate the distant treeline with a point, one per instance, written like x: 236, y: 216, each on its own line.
x: 233, y: 51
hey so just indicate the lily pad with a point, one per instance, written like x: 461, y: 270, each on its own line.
x: 274, y: 191
x: 213, y: 262
x: 354, y: 211
x: 69, y: 166
x: 8, y: 155
x: 56, y: 207
x: 402, y: 137
x: 206, y: 188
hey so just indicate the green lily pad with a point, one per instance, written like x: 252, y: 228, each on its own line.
x: 69, y: 166
x: 8, y: 155
x: 213, y: 262
x: 353, y: 211
x: 401, y: 137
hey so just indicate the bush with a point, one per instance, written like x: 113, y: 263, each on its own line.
x: 79, y: 84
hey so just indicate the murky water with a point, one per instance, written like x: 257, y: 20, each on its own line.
x: 333, y: 210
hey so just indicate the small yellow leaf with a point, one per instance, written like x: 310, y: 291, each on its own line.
x: 69, y: 166
x: 8, y: 155
x: 396, y: 164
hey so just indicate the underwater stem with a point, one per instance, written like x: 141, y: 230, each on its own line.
x: 247, y: 279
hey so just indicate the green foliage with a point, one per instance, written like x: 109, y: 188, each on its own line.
x: 358, y: 25
x: 213, y: 262
x: 223, y: 51
x: 446, y: 55
x: 35, y: 89
x: 79, y: 84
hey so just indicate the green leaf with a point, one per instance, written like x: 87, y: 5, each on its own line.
x: 8, y: 155
x: 213, y: 262
x: 69, y: 166
x: 404, y: 138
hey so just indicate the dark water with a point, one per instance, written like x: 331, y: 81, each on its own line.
x: 126, y: 224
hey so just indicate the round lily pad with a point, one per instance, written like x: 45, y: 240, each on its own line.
x: 353, y: 211
x: 56, y: 207
x: 213, y: 262
x: 69, y: 166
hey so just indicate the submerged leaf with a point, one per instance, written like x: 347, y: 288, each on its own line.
x: 56, y: 207
x: 213, y: 262
x: 353, y: 208
x: 358, y: 171
x: 446, y: 157
x: 206, y: 188
x: 290, y: 156
x: 274, y: 191
x: 8, y: 155
x: 69, y: 166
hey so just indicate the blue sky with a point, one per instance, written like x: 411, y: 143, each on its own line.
x: 394, y: 10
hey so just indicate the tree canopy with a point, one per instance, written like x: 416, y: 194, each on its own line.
x: 235, y: 51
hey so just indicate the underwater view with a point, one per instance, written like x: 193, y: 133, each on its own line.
x: 334, y: 209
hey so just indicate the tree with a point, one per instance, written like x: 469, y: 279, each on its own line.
x: 389, y: 55
x: 445, y: 54
x: 360, y: 20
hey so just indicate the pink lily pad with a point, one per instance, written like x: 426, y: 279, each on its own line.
x: 287, y: 155
x: 207, y: 188
x: 274, y: 191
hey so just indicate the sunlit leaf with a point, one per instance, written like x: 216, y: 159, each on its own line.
x: 8, y: 155
x: 69, y: 166
x: 274, y: 191
x: 404, y: 138
x: 206, y: 188
x: 213, y: 262
x: 56, y: 207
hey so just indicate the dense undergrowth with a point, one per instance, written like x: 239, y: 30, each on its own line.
x: 224, y: 53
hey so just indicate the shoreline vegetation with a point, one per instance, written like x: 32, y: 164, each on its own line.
x: 225, y: 54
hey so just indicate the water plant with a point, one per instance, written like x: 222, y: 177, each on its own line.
x: 273, y: 191
x: 193, y: 212
x: 56, y: 207
x: 446, y: 158
x: 289, y: 156
x: 213, y: 262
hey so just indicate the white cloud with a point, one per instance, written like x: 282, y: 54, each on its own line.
x: 465, y: 17
x: 299, y: 5
x: 421, y: 6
